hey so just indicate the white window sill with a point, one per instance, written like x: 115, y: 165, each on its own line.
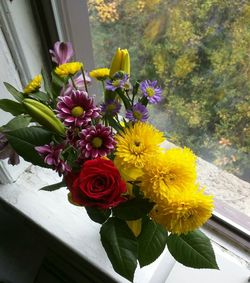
x: 71, y: 225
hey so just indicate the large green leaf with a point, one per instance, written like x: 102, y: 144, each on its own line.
x: 121, y: 246
x: 133, y: 209
x: 24, y: 141
x: 16, y: 94
x: 193, y: 250
x: 98, y: 215
x: 18, y: 122
x: 11, y: 106
x: 152, y: 241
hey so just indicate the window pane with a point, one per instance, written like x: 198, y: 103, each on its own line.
x: 199, y: 53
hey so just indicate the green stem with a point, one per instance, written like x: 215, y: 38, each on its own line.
x: 84, y: 79
x: 73, y: 83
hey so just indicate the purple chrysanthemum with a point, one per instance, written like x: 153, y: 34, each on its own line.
x: 118, y: 81
x: 96, y: 141
x: 151, y: 91
x: 62, y: 52
x: 79, y: 83
x: 111, y: 107
x: 138, y: 113
x: 52, y: 155
x: 77, y: 109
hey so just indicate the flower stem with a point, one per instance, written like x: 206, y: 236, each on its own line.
x: 84, y: 79
x: 73, y: 83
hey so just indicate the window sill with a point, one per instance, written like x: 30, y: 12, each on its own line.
x: 71, y: 226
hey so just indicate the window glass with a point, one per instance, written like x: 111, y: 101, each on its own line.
x: 199, y: 53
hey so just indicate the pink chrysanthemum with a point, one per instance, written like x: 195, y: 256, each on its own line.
x: 96, y: 141
x: 77, y: 109
x: 52, y: 155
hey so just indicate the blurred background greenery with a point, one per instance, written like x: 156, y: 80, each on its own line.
x: 198, y: 50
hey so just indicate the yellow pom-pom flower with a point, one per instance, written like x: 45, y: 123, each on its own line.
x: 33, y: 85
x: 171, y: 171
x: 183, y: 212
x: 68, y: 69
x: 137, y: 143
x: 100, y: 74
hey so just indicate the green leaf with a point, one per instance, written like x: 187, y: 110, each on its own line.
x: 57, y: 85
x: 121, y: 246
x: 24, y: 141
x: 16, y: 94
x: 133, y: 209
x: 98, y: 215
x: 54, y: 187
x: 124, y: 99
x: 47, y: 84
x: 144, y: 101
x: 11, y: 106
x: 193, y: 250
x: 39, y: 95
x: 18, y: 122
x: 114, y: 124
x: 152, y: 241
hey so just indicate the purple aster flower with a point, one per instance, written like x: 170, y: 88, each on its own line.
x: 118, y: 81
x: 77, y: 109
x: 151, y: 91
x: 111, y: 107
x: 79, y: 83
x: 53, y: 156
x: 62, y: 53
x: 138, y: 113
x: 6, y: 151
x: 96, y: 141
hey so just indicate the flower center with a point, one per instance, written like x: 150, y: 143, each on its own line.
x: 116, y: 83
x: 137, y: 115
x: 150, y: 91
x: 111, y: 107
x: 97, y: 142
x: 77, y: 111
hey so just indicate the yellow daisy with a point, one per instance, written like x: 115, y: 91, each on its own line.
x: 68, y: 69
x: 183, y: 212
x: 100, y: 74
x: 137, y: 143
x: 33, y: 85
x: 171, y: 171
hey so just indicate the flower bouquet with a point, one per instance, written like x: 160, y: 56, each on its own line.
x: 111, y: 160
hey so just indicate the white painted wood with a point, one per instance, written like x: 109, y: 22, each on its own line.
x: 68, y: 223
x: 230, y: 272
x: 20, y: 57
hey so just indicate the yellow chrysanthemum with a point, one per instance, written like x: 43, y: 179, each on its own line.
x: 183, y: 212
x: 34, y: 84
x: 137, y: 143
x: 100, y: 74
x: 171, y: 171
x: 68, y: 69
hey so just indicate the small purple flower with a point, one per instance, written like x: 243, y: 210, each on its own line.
x: 79, y: 83
x: 62, y: 53
x: 53, y: 156
x: 118, y: 81
x: 151, y: 91
x: 138, y: 113
x: 111, y: 107
x: 6, y: 151
x: 77, y: 109
x: 96, y: 141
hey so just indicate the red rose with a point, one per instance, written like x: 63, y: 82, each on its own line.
x: 98, y: 184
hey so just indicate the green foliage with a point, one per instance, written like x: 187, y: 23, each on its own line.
x: 98, y: 215
x: 193, y: 250
x: 54, y: 187
x: 24, y: 140
x: 121, y: 246
x: 152, y: 241
x: 198, y: 51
